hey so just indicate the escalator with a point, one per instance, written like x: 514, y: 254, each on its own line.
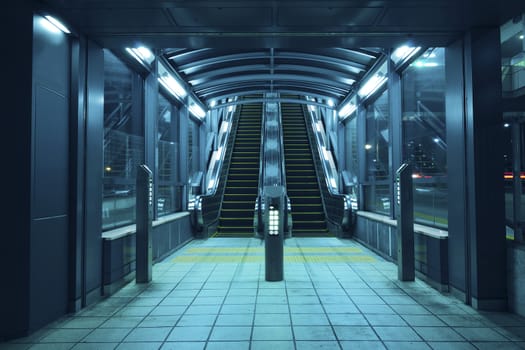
x: 237, y: 212
x: 301, y: 180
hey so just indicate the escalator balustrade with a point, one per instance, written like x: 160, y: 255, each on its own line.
x: 237, y: 212
x: 301, y: 180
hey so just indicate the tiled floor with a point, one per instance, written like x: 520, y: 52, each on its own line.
x: 336, y: 295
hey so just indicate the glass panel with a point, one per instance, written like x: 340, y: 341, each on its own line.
x: 424, y: 130
x: 377, y: 197
x: 513, y: 56
x: 123, y: 144
x: 166, y: 159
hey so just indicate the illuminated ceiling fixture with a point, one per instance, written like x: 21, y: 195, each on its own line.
x: 57, y: 24
x: 425, y: 64
x: 213, y: 103
x: 521, y: 36
x: 349, y: 108
x: 141, y: 54
x: 330, y: 102
x: 170, y: 83
x: 404, y: 53
x: 374, y: 83
x: 196, y: 110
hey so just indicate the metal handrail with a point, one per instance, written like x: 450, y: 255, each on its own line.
x: 337, y: 206
x: 207, y: 207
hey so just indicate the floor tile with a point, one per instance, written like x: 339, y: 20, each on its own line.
x: 148, y: 334
x: 446, y: 345
x: 122, y: 322
x: 406, y: 345
x: 221, y: 333
x: 102, y: 335
x: 362, y: 345
x: 497, y: 345
x: 184, y: 334
x: 313, y: 333
x: 438, y: 334
x: 396, y: 334
x: 317, y: 345
x: 94, y: 346
x: 83, y: 322
x: 183, y: 345
x: 65, y: 335
x: 159, y: 321
x: 423, y: 320
x: 235, y: 320
x: 275, y: 344
x: 272, y: 333
x: 139, y: 346
x: 385, y: 320
x: 53, y: 346
x: 264, y: 319
x: 355, y: 333
x: 238, y: 345
x: 480, y: 334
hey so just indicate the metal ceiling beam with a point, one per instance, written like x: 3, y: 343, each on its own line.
x: 275, y: 77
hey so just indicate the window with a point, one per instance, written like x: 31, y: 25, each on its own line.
x: 168, y: 196
x: 377, y: 191
x: 123, y: 143
x: 424, y: 131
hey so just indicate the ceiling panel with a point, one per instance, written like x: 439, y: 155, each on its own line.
x: 328, y: 16
x: 222, y: 16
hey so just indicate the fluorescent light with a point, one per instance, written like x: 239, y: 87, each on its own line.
x: 196, y: 110
x: 426, y: 64
x: 368, y: 146
x: 372, y: 85
x: 404, y: 52
x: 141, y: 54
x: 330, y: 102
x: 173, y: 86
x: 213, y: 103
x: 522, y: 37
x: 348, y: 109
x: 375, y: 82
x: 55, y: 22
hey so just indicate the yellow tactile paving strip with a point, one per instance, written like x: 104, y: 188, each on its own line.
x: 256, y: 255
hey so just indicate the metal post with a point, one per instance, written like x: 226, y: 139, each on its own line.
x: 144, y: 216
x: 405, y: 224
x: 274, y: 233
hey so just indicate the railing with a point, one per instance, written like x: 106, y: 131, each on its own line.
x: 206, y: 209
x: 337, y: 207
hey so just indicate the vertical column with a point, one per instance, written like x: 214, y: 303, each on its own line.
x: 15, y: 141
x: 183, y: 154
x: 395, y: 146
x: 477, y: 243
x: 361, y: 153
x: 151, y: 91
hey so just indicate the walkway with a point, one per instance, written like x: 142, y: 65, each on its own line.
x: 336, y: 295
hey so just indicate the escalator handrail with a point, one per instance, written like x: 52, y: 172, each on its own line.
x: 336, y: 205
x: 208, y: 206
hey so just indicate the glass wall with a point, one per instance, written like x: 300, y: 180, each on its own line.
x: 377, y: 189
x: 168, y: 193
x: 424, y: 132
x: 513, y: 86
x: 123, y: 142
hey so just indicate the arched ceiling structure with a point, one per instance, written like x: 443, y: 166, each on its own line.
x: 216, y: 74
x: 321, y: 48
